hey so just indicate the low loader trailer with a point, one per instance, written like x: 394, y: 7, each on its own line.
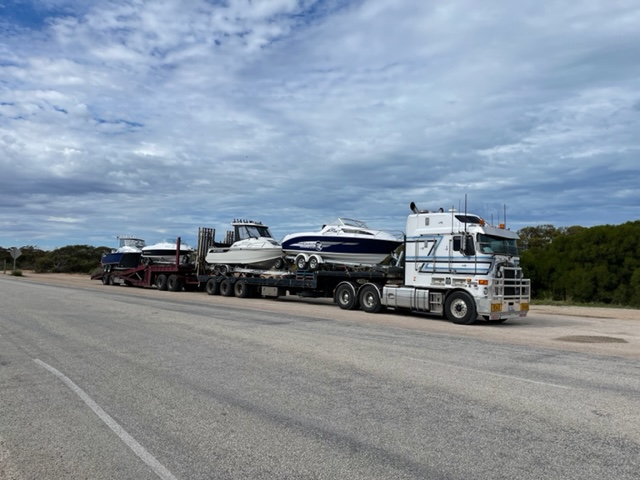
x: 174, y: 277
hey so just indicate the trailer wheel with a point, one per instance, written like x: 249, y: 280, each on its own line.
x: 460, y: 308
x: 314, y: 262
x: 161, y: 281
x: 346, y: 297
x: 212, y: 287
x: 226, y: 288
x: 301, y: 262
x: 241, y: 289
x: 370, y: 299
x: 174, y: 283
x: 279, y: 263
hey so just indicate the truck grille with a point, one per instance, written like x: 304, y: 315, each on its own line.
x: 511, y: 286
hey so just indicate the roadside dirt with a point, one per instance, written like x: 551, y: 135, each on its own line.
x: 602, y: 331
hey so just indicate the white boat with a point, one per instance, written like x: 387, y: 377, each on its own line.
x: 343, y: 241
x: 250, y: 244
x: 165, y: 253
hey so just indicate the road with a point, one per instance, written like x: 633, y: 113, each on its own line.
x: 123, y: 383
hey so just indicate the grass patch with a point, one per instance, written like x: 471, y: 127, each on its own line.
x: 16, y: 273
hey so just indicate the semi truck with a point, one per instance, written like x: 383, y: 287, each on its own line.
x: 451, y: 263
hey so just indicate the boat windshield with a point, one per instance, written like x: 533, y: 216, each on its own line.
x: 350, y: 222
x: 131, y: 242
x: 252, y: 231
x: 497, y: 245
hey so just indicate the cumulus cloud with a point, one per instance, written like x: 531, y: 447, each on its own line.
x: 155, y: 118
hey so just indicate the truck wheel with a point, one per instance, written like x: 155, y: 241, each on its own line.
x: 370, y: 299
x: 112, y: 280
x: 241, y: 289
x: 346, y: 297
x: 174, y: 283
x: 213, y: 287
x: 105, y: 279
x: 226, y: 288
x: 161, y: 281
x: 460, y: 308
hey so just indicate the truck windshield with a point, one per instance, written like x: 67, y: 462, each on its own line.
x: 497, y: 245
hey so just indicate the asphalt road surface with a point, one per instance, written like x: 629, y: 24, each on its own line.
x: 106, y: 383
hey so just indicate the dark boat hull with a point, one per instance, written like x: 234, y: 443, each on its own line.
x: 121, y: 260
x: 341, y: 249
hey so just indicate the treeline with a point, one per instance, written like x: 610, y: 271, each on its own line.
x: 70, y: 259
x: 577, y: 264
x: 573, y: 264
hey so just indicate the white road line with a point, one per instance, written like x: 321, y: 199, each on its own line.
x: 138, y: 449
x: 520, y: 379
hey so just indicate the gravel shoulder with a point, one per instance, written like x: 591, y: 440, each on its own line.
x: 593, y: 330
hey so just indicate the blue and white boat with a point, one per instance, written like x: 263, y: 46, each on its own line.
x: 343, y: 241
x: 127, y: 255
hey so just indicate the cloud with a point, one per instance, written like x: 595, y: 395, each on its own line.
x: 155, y: 118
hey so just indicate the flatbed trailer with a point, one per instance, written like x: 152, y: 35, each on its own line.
x: 342, y: 286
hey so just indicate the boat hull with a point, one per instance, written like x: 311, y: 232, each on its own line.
x: 165, y: 253
x: 341, y: 249
x: 259, y: 258
x: 121, y: 260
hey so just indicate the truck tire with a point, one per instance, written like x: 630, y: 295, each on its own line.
x: 161, y: 281
x: 226, y: 288
x: 241, y: 289
x: 460, y: 308
x: 346, y: 297
x: 370, y: 299
x: 212, y: 287
x: 174, y: 283
x: 105, y: 279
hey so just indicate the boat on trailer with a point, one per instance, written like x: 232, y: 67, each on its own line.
x: 165, y: 253
x: 249, y: 244
x: 127, y: 255
x: 344, y: 241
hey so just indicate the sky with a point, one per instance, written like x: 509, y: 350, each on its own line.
x: 155, y: 118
